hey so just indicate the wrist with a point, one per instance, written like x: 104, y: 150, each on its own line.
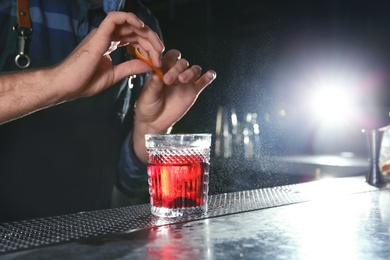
x: 140, y: 129
x: 138, y: 140
x: 65, y: 86
x: 53, y: 87
x: 47, y: 88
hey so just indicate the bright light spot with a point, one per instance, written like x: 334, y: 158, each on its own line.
x: 332, y: 105
x: 267, y: 117
x: 234, y: 119
x: 282, y: 113
x: 256, y: 129
x: 248, y: 117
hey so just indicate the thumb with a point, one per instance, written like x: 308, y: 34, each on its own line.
x: 129, y: 68
x: 152, y: 89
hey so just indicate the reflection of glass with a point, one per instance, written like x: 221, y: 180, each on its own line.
x: 180, y: 241
x: 178, y: 169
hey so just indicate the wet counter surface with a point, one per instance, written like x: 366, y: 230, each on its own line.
x: 336, y: 223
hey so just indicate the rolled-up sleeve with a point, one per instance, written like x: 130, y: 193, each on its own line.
x: 132, y: 173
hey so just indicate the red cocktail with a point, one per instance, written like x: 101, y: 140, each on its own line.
x: 178, y: 179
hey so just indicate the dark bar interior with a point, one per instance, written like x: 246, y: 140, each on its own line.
x: 299, y: 116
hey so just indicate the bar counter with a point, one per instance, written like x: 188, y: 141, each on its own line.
x: 340, y: 218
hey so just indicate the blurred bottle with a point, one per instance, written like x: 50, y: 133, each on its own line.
x: 223, y: 132
x: 241, y: 140
x: 218, y: 133
x: 236, y: 135
x: 248, y: 137
x: 256, y: 136
x: 227, y: 135
x: 251, y: 137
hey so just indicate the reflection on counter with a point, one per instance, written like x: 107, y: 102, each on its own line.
x: 166, y: 242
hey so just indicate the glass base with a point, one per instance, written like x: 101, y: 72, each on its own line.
x: 386, y: 177
x: 179, y: 212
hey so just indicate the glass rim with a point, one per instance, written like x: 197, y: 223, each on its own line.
x: 185, y: 134
x: 175, y: 141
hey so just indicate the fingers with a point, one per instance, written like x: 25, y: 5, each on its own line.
x: 143, y: 38
x: 173, y: 65
x: 128, y: 68
x: 205, y: 80
x: 125, y: 28
x: 178, y: 72
x: 148, y: 49
x: 192, y: 73
x: 173, y: 74
x: 109, y: 29
x: 170, y: 58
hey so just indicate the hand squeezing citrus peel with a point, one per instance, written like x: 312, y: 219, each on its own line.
x: 149, y: 62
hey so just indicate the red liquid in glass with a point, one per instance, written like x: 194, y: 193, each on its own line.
x: 182, y: 184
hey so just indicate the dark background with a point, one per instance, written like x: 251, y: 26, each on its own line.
x: 269, y: 55
x: 247, y: 42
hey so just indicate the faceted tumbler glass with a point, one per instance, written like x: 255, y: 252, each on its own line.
x: 178, y: 173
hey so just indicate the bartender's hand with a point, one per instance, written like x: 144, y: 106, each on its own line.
x: 163, y: 102
x: 89, y: 69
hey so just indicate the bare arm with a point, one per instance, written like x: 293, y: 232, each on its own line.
x: 25, y: 92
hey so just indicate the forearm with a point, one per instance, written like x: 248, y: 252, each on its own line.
x: 22, y: 93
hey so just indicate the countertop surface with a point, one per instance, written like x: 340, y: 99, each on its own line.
x: 336, y: 223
